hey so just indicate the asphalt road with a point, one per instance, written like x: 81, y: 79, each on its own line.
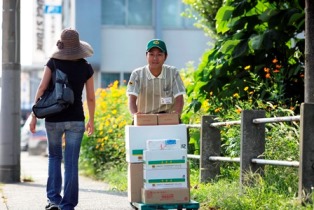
x: 31, y: 195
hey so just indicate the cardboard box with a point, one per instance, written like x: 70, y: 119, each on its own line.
x: 145, y: 119
x: 166, y: 196
x: 134, y: 155
x: 163, y: 144
x: 165, y: 159
x: 165, y: 178
x: 136, y: 137
x: 135, y: 181
x: 168, y: 119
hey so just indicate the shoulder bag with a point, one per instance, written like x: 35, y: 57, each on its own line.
x: 56, y: 98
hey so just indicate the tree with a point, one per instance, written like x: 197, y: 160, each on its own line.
x: 204, y: 12
x: 260, y: 41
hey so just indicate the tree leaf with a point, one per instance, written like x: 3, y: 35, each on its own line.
x: 240, y: 49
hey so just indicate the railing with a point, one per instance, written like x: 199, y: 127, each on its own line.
x: 252, y: 146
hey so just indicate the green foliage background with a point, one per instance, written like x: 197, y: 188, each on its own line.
x: 105, y: 149
x: 256, y: 63
x: 251, y: 36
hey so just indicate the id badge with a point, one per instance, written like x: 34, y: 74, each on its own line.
x: 166, y: 100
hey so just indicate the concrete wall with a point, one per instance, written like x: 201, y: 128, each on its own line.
x: 88, y: 23
x: 124, y: 49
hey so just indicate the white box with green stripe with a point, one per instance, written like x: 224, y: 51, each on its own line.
x: 136, y: 137
x: 165, y: 178
x: 165, y: 159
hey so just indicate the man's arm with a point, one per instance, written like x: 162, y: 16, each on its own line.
x: 132, y: 104
x: 178, y: 104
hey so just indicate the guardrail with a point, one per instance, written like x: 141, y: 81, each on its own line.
x: 252, y: 144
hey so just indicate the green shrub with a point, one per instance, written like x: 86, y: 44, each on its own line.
x: 106, y: 148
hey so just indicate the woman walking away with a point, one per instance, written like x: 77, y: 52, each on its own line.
x: 68, y: 56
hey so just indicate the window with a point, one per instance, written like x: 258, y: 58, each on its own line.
x: 126, y: 78
x: 171, y: 15
x: 127, y: 12
x: 109, y: 78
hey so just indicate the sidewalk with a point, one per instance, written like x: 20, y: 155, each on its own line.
x: 93, y: 195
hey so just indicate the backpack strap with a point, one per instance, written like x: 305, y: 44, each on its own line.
x: 53, y: 76
x: 64, y: 80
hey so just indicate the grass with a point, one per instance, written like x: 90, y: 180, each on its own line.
x: 226, y: 193
x: 116, y: 177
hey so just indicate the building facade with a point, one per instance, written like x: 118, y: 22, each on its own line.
x: 118, y: 30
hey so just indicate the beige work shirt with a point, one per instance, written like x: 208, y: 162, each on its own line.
x: 155, y: 94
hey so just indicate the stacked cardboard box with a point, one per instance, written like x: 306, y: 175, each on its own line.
x: 150, y: 181
x: 156, y: 119
x: 165, y: 172
x: 136, y: 137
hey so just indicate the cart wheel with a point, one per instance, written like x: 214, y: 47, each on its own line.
x: 134, y: 207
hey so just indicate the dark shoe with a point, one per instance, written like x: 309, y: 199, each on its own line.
x: 52, y: 206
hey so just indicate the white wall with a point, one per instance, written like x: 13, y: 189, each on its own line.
x: 185, y: 46
x: 124, y: 49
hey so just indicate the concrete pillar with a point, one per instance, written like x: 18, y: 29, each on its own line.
x: 210, y: 145
x: 252, y: 143
x: 306, y: 167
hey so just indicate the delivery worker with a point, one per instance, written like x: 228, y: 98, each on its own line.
x: 155, y: 87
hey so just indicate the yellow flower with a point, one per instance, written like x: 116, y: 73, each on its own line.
x: 246, y: 88
x: 247, y: 67
x: 236, y: 95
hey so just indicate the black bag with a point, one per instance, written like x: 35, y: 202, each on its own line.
x: 56, y: 98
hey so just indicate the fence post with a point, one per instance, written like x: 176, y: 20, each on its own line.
x: 252, y: 143
x: 306, y: 162
x: 209, y: 146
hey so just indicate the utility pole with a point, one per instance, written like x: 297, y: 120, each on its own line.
x: 10, y: 96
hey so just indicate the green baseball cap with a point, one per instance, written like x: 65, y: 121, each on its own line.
x: 156, y: 43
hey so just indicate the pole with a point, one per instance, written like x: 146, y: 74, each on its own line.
x: 10, y: 97
x: 306, y: 169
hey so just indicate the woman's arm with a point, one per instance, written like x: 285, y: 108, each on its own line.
x: 43, y: 85
x: 90, y: 97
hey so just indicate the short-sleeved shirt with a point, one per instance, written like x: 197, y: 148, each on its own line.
x: 155, y: 94
x: 78, y: 72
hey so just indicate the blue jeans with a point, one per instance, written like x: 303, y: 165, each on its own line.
x: 73, y: 132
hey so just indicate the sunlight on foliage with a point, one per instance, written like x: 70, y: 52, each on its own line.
x: 106, y: 148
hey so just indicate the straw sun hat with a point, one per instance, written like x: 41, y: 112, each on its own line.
x: 70, y: 47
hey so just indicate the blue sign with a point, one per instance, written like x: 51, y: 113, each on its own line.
x: 53, y: 9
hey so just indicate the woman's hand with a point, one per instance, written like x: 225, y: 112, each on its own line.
x: 32, y: 124
x: 89, y: 128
